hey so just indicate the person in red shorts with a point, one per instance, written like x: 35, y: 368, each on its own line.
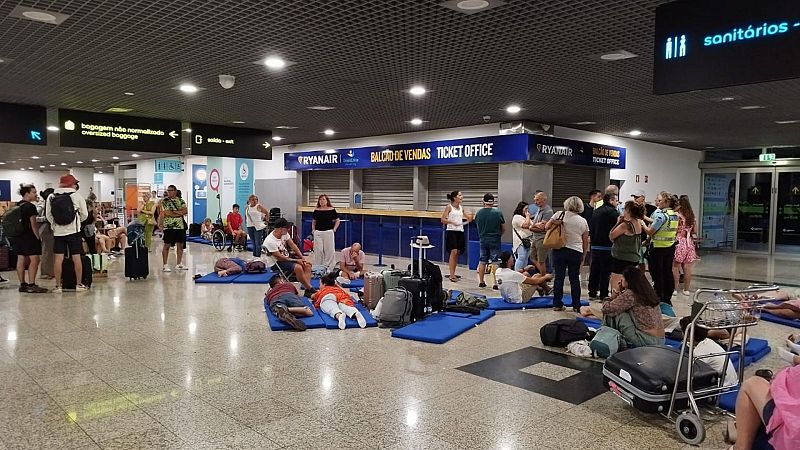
x: 236, y: 230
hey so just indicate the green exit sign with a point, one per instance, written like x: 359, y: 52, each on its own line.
x: 766, y: 157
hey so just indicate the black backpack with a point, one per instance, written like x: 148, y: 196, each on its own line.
x: 563, y: 331
x: 13, y: 225
x: 63, y: 209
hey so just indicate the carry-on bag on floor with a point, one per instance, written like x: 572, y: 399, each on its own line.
x: 373, y: 289
x: 644, y: 377
x: 395, y: 308
x: 194, y: 229
x: 418, y: 287
x: 433, y: 274
x: 391, y: 278
x: 5, y: 257
x: 68, y: 281
x: 136, y: 264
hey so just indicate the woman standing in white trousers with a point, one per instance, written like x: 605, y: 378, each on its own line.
x: 324, y: 223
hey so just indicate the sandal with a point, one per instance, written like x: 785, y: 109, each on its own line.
x: 730, y: 432
x: 454, y: 279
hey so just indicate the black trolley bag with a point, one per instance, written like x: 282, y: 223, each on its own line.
x: 433, y: 276
x: 644, y: 377
x: 137, y: 265
x: 418, y: 287
x: 68, y: 276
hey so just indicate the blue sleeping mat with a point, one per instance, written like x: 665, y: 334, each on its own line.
x: 254, y: 278
x: 314, y: 321
x: 783, y: 321
x: 353, y: 284
x: 728, y: 401
x: 481, y: 317
x: 436, y: 329
x: 333, y: 324
x: 498, y: 304
x: 213, y: 278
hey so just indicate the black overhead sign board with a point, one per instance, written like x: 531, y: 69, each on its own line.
x: 232, y: 142
x: 117, y: 132
x: 705, y: 44
x: 23, y: 124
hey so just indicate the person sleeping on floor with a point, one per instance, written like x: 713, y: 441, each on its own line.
x: 228, y: 266
x: 336, y: 302
x: 286, y: 303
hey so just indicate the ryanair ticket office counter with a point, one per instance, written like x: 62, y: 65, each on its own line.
x: 387, y: 195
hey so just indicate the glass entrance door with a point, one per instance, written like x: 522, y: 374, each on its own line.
x: 754, y: 207
x: 787, y: 214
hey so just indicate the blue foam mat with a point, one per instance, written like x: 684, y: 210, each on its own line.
x: 728, y: 401
x: 354, y: 284
x: 775, y: 319
x: 275, y: 324
x: 254, y: 278
x: 435, y: 329
x: 213, y: 278
x: 498, y: 304
x: 481, y: 317
x: 333, y: 324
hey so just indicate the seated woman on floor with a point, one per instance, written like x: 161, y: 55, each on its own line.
x: 633, y: 310
x: 337, y: 302
x: 228, y: 266
x: 286, y: 303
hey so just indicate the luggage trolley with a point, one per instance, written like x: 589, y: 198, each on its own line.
x: 732, y: 310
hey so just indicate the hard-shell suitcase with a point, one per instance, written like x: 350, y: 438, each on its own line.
x: 391, y: 278
x: 136, y: 264
x: 433, y: 274
x: 373, y: 289
x: 68, y: 276
x: 418, y: 287
x: 645, y: 376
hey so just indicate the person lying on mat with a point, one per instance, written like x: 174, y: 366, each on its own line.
x: 703, y: 345
x: 789, y: 308
x: 633, y: 310
x: 285, y: 302
x: 280, y: 261
x: 351, y: 262
x: 336, y: 302
x: 518, y: 287
x: 768, y: 411
x: 228, y: 266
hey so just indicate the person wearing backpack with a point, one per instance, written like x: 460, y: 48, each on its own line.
x: 65, y: 211
x: 46, y: 270
x: 23, y: 234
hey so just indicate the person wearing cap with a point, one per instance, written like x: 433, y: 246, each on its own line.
x: 639, y: 197
x: 491, y: 226
x: 65, y: 211
x: 280, y: 260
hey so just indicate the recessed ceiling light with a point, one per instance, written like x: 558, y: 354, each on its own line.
x: 277, y: 138
x: 471, y: 6
x: 69, y: 151
x: 286, y: 127
x: 321, y: 108
x: 41, y: 167
x: 38, y: 15
x: 2, y: 163
x: 709, y: 147
x: 117, y: 109
x: 187, y: 130
x: 513, y: 109
x: 95, y: 160
x: 99, y: 171
x: 416, y: 121
x: 417, y: 91
x: 34, y: 157
x: 188, y: 88
x: 677, y: 141
x: 52, y: 128
x: 52, y: 165
x: 128, y: 93
x: 635, y: 133
x: 786, y: 122
x: 618, y: 55
x: 751, y: 107
x: 135, y: 155
x: 329, y: 132
x: 585, y: 122
x: 21, y: 168
x: 115, y: 157
x: 63, y: 164
x: 238, y: 122
x: 727, y: 99
x: 78, y: 162
x: 275, y: 62
x: 30, y: 168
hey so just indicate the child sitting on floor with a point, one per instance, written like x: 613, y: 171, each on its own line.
x: 286, y: 303
x: 336, y: 302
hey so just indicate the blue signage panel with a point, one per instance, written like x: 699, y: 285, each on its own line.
x: 168, y: 165
x: 5, y: 190
x: 704, y: 44
x: 23, y: 124
x: 489, y: 149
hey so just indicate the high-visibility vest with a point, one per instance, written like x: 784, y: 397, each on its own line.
x: 665, y: 236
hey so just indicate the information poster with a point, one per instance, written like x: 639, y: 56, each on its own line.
x: 199, y: 193
x: 719, y: 197
x: 214, y: 174
x: 244, y: 182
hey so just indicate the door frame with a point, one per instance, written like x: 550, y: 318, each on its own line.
x: 778, y: 172
x: 772, y: 205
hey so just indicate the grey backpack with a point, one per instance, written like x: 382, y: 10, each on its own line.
x: 395, y: 309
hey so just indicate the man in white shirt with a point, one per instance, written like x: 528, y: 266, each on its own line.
x: 517, y: 287
x: 705, y: 346
x: 65, y: 211
x: 279, y: 259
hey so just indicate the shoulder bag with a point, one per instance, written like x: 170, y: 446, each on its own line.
x: 556, y: 237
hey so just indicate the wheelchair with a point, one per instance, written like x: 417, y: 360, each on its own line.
x: 221, y: 240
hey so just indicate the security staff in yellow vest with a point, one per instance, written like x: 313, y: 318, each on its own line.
x: 662, y: 251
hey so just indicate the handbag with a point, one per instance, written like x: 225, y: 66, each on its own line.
x: 606, y: 342
x: 556, y: 237
x: 526, y: 241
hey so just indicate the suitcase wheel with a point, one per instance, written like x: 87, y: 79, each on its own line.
x: 690, y: 428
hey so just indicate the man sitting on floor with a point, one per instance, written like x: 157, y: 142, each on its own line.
x: 336, y: 302
x: 351, y: 262
x: 285, y: 302
x: 517, y: 287
x: 278, y: 257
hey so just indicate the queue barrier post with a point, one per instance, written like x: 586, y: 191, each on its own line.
x: 380, y: 244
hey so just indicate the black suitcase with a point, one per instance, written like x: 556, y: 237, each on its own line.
x: 645, y: 376
x: 418, y: 287
x: 68, y: 281
x: 136, y: 263
x: 194, y: 229
x: 433, y: 274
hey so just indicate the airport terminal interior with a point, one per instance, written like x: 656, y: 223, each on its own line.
x: 422, y: 224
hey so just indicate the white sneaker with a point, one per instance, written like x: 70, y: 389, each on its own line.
x: 342, y: 323
x: 362, y: 322
x: 57, y: 290
x: 674, y: 293
x: 181, y: 267
x: 166, y: 269
x: 81, y: 288
x: 686, y: 293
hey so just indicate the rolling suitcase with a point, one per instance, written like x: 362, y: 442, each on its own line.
x: 391, y: 278
x: 373, y: 289
x: 194, y: 229
x: 136, y: 263
x: 645, y: 376
x: 418, y: 287
x: 433, y: 274
x: 68, y: 281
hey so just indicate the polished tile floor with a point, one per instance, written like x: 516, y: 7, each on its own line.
x: 163, y: 363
